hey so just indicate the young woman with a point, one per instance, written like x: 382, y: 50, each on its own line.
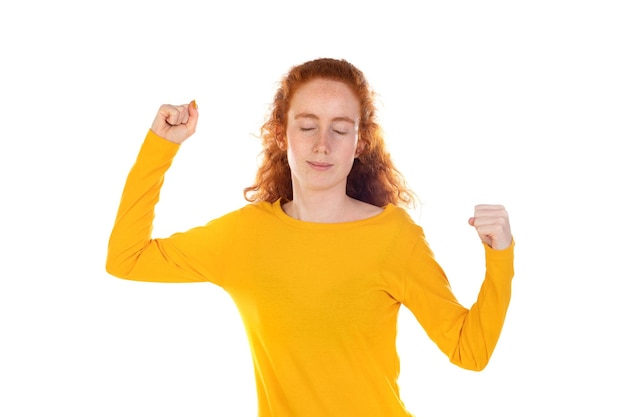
x: 321, y: 259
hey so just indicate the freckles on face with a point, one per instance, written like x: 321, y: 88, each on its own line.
x: 324, y: 113
x: 322, y: 134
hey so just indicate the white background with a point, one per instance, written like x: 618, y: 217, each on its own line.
x: 519, y: 103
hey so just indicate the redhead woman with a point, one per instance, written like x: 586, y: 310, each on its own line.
x: 320, y: 259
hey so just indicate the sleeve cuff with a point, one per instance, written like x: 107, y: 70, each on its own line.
x: 157, y: 141
x: 497, y: 254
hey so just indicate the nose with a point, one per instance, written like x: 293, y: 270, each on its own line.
x: 322, y: 143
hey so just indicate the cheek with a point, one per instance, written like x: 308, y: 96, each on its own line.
x: 297, y: 142
x: 354, y: 148
x: 291, y: 155
x: 290, y: 138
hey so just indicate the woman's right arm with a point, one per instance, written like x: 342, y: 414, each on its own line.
x: 132, y: 253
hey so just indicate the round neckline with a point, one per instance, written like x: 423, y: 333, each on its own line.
x: 277, y: 208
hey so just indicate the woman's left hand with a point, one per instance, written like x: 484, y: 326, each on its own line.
x: 492, y: 224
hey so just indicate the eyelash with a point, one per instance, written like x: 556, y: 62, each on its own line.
x: 308, y: 129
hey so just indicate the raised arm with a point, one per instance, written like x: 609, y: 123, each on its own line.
x: 132, y: 252
x: 468, y: 336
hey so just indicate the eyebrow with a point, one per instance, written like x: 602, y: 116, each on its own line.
x: 313, y: 116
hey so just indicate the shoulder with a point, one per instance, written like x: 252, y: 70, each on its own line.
x: 250, y: 211
x: 401, y: 223
x: 401, y: 215
x: 241, y: 221
x: 362, y: 210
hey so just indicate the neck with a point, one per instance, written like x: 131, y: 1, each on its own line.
x: 320, y: 207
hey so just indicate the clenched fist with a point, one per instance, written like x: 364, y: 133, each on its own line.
x: 492, y: 224
x: 176, y: 123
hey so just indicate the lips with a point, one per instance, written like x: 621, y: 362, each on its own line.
x: 319, y: 165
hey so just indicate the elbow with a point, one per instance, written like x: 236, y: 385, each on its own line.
x: 112, y: 271
x: 116, y: 268
x: 477, y: 367
x: 472, y: 366
x: 471, y: 362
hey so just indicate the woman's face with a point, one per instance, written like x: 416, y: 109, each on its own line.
x: 322, y: 135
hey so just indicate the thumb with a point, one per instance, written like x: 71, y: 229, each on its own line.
x: 193, y: 116
x: 471, y: 221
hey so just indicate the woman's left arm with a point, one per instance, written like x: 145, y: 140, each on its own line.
x: 468, y: 336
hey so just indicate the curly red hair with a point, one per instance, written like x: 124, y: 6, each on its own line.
x: 373, y: 178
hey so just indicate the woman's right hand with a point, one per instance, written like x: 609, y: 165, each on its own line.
x: 176, y: 123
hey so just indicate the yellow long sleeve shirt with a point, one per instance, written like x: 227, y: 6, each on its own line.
x: 319, y: 302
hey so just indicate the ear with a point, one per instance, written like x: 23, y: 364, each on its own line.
x: 360, y: 146
x: 281, y: 141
